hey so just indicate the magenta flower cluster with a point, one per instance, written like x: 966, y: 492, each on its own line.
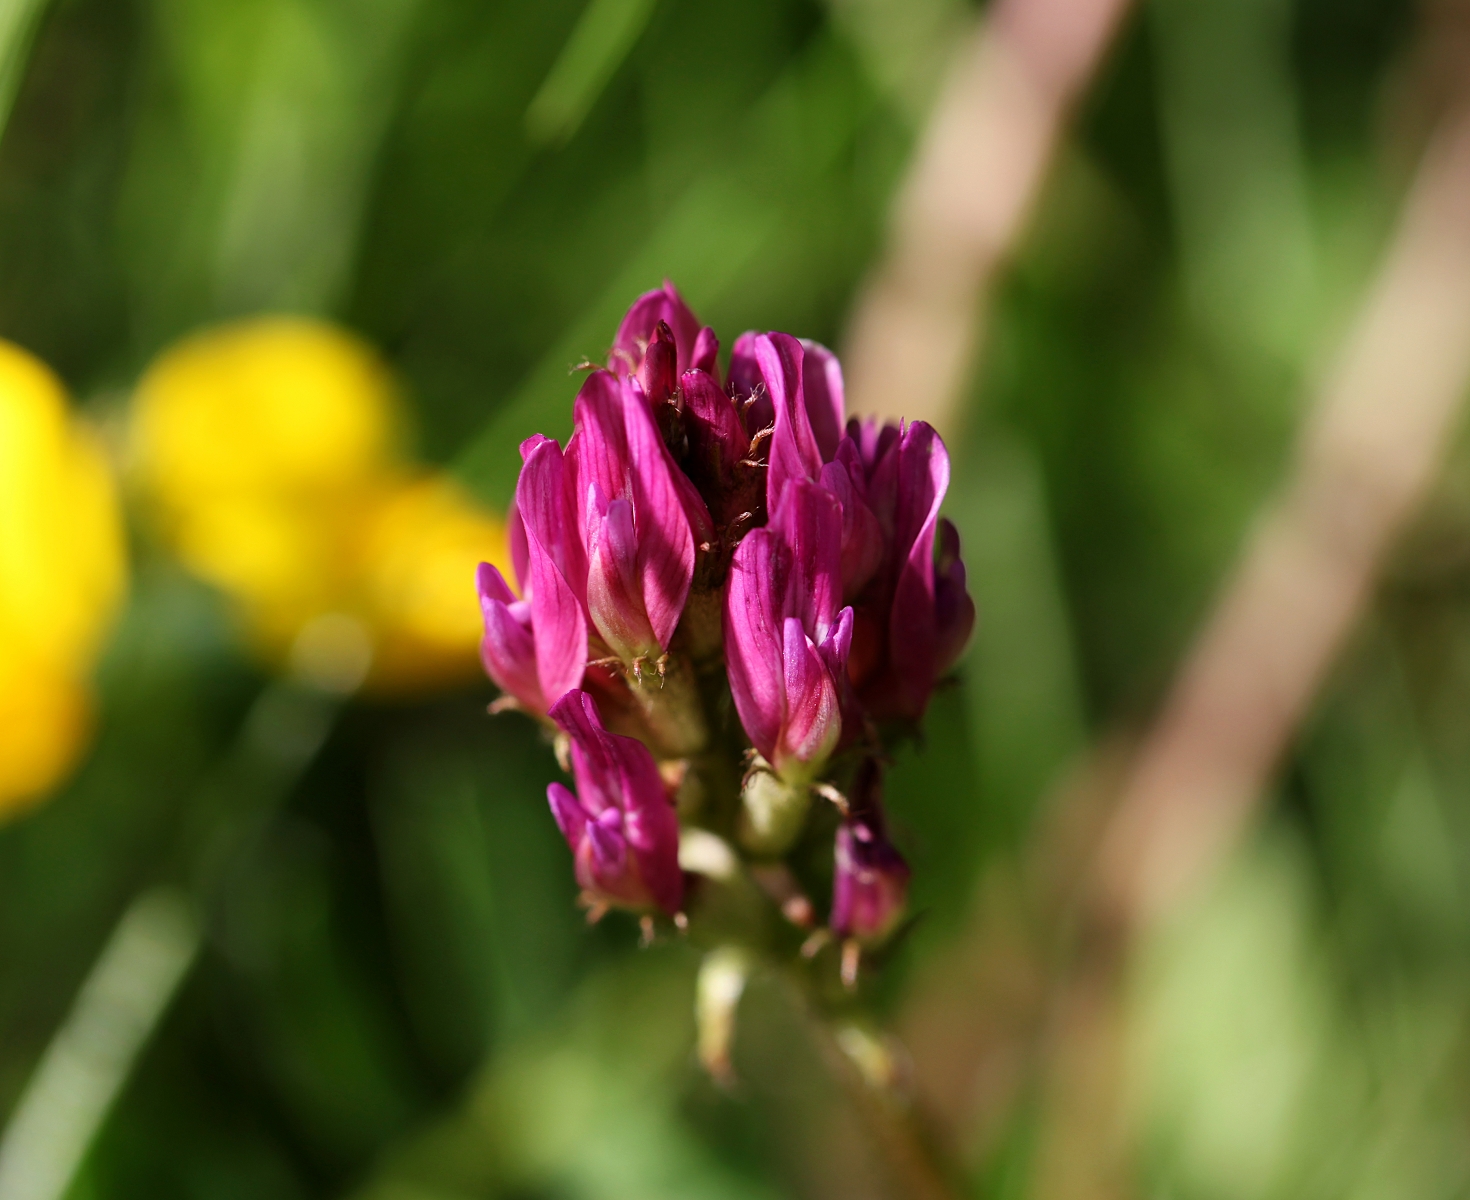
x: 741, y: 529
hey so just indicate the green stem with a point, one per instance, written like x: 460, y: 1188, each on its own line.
x: 918, y: 1169
x: 772, y: 812
x: 672, y: 709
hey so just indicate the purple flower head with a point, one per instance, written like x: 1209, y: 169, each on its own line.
x: 871, y: 881
x: 914, y: 618
x: 693, y: 345
x: 786, y: 642
x: 619, y: 823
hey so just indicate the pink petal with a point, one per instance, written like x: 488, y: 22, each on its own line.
x: 491, y: 585
x: 954, y: 610
x: 913, y: 638
x: 862, y: 536
x: 599, y: 783
x: 598, y: 451
x: 609, y: 853
x: 809, y: 522
x: 556, y: 611
x: 882, y: 481
x: 706, y: 353
x: 652, y: 831
x: 658, y: 374
x: 836, y: 653
x: 606, y: 870
x: 825, y: 401
x: 618, y: 448
x: 794, y: 452
x: 717, y: 439
x: 838, y: 644
x: 813, y: 720
x: 570, y: 817
x: 612, y: 771
x: 508, y: 649
x: 613, y: 593
x: 923, y: 478
x: 520, y: 556
x: 665, y: 542
x: 753, y: 623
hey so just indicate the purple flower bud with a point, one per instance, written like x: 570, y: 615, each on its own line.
x: 658, y: 373
x: 603, y: 537
x: 706, y: 356
x: 695, y: 347
x: 871, y: 880
x: 630, y: 505
x: 914, y: 618
x: 620, y: 822
x: 786, y: 643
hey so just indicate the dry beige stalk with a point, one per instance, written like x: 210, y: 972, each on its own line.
x: 1367, y: 455
x: 969, y: 191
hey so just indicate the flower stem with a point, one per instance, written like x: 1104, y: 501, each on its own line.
x: 671, y: 708
x: 772, y: 813
x: 918, y: 1169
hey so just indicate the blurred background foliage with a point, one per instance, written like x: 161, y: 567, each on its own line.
x: 394, y: 996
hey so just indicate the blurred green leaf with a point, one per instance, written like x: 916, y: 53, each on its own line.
x: 599, y: 42
x: 18, y: 21
x: 726, y: 224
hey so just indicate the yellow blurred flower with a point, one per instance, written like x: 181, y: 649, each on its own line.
x: 269, y: 448
x: 419, y: 557
x: 62, y: 572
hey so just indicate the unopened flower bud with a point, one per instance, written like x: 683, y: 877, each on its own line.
x: 658, y: 373
x: 870, y: 885
x: 639, y: 328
